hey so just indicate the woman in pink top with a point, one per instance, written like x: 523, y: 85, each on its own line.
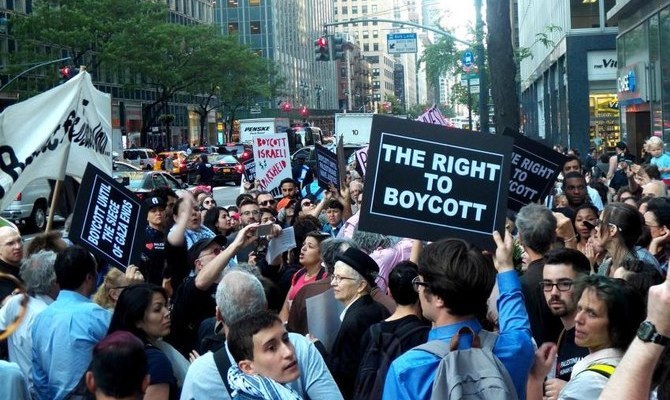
x: 311, y: 271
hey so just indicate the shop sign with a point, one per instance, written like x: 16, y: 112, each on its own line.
x: 631, y: 85
x: 602, y: 65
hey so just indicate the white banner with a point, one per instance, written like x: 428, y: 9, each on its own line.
x: 53, y: 134
x: 272, y: 158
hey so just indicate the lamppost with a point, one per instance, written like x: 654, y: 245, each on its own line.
x: 32, y: 68
x: 318, y: 89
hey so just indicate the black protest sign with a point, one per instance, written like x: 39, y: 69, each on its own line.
x: 429, y: 182
x: 249, y: 170
x: 327, y: 170
x: 362, y: 160
x: 534, y: 170
x: 108, y: 219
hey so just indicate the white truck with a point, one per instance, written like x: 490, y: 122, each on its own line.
x: 261, y: 126
x: 354, y: 128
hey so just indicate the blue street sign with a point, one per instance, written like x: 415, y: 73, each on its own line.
x: 468, y: 59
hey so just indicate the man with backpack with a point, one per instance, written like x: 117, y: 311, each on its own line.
x: 461, y: 359
x: 387, y: 340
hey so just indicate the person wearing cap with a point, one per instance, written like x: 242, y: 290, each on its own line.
x: 194, y: 300
x: 352, y: 281
x: 153, y: 252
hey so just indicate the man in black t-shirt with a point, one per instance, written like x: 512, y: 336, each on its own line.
x: 562, y: 267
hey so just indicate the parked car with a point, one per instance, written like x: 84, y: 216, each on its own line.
x: 143, y: 158
x: 178, y: 160
x: 122, y: 166
x: 242, y: 151
x: 227, y: 168
x: 143, y: 182
x: 30, y: 207
x: 309, y: 154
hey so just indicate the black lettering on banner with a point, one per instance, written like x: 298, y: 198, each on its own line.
x: 533, y: 171
x: 428, y: 182
x: 326, y: 167
x: 250, y: 170
x: 75, y: 128
x: 108, y: 219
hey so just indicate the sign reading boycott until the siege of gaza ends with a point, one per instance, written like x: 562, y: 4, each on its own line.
x: 533, y: 171
x: 108, y: 219
x: 430, y: 182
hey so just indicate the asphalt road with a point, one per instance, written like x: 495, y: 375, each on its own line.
x: 225, y: 195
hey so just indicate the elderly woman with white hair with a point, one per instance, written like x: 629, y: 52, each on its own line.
x: 39, y: 278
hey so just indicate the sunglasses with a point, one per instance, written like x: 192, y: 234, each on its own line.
x: 209, y: 202
x: 267, y: 202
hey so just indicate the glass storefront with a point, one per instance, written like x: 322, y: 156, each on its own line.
x: 604, y: 121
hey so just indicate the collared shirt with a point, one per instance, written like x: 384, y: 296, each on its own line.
x: 20, y: 343
x: 411, y: 375
x: 63, y: 336
x: 332, y: 230
x: 203, y: 380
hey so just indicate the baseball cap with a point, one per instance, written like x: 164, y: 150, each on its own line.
x: 153, y: 202
x: 202, y: 244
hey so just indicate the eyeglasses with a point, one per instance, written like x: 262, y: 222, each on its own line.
x: 338, y: 278
x: 209, y: 202
x: 417, y: 282
x: 267, y: 202
x: 248, y: 213
x: 562, y: 286
x: 215, y: 252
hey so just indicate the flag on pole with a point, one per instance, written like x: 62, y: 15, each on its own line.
x: 54, y: 134
x: 434, y: 116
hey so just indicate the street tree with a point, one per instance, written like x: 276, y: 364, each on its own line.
x: 502, y: 66
x: 440, y: 58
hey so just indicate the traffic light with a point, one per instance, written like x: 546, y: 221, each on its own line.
x: 322, y: 49
x: 304, y: 111
x: 67, y: 72
x: 338, y: 47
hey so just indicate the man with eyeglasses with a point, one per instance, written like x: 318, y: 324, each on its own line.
x: 11, y: 255
x: 265, y: 199
x: 562, y: 267
x: 194, y: 300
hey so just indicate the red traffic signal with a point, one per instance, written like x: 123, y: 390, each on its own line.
x: 304, y: 111
x: 286, y: 106
x: 321, y: 42
x: 65, y: 72
x: 322, y: 49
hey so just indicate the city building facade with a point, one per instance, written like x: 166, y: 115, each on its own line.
x: 569, y: 87
x: 643, y: 68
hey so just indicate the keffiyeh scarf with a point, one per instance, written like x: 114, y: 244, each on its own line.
x: 259, y: 386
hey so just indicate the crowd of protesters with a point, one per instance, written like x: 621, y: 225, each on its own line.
x: 573, y: 303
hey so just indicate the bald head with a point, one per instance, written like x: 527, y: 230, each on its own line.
x: 11, y: 246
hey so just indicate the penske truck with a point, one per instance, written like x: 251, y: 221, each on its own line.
x: 261, y: 126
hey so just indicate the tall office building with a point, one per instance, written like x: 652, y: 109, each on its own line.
x: 284, y: 32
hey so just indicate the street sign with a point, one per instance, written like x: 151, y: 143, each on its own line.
x: 255, y: 110
x: 468, y: 60
x: 399, y: 43
x: 474, y: 89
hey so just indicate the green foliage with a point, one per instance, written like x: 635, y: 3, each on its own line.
x: 543, y: 38
x: 440, y: 58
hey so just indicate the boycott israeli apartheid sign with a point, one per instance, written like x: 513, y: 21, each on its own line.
x: 429, y: 182
x: 271, y: 156
x: 534, y: 170
x: 108, y: 219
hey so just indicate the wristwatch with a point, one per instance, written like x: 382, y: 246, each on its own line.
x: 647, y: 333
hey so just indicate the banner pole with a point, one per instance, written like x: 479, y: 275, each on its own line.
x: 52, y: 207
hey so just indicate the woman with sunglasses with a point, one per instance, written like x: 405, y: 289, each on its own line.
x: 617, y: 232
x: 143, y: 311
x: 217, y: 219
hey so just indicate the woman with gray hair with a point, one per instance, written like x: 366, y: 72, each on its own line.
x: 39, y: 277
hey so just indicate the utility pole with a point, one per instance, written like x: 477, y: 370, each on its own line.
x: 481, y: 64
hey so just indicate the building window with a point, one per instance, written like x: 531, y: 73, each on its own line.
x: 345, y: 10
x: 608, y: 6
x: 374, y: 23
x: 255, y: 27
x: 354, y: 9
x: 366, y: 34
x: 375, y: 47
x: 232, y: 3
x: 584, y: 14
x: 375, y: 34
x: 254, y: 3
x: 233, y: 28
x: 364, y: 9
x: 373, y: 8
x: 366, y: 47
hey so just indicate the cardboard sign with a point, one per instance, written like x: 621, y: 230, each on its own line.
x: 429, y: 182
x: 108, y: 219
x: 341, y: 164
x: 327, y: 169
x: 249, y: 170
x: 534, y: 170
x: 362, y: 160
x: 271, y: 157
